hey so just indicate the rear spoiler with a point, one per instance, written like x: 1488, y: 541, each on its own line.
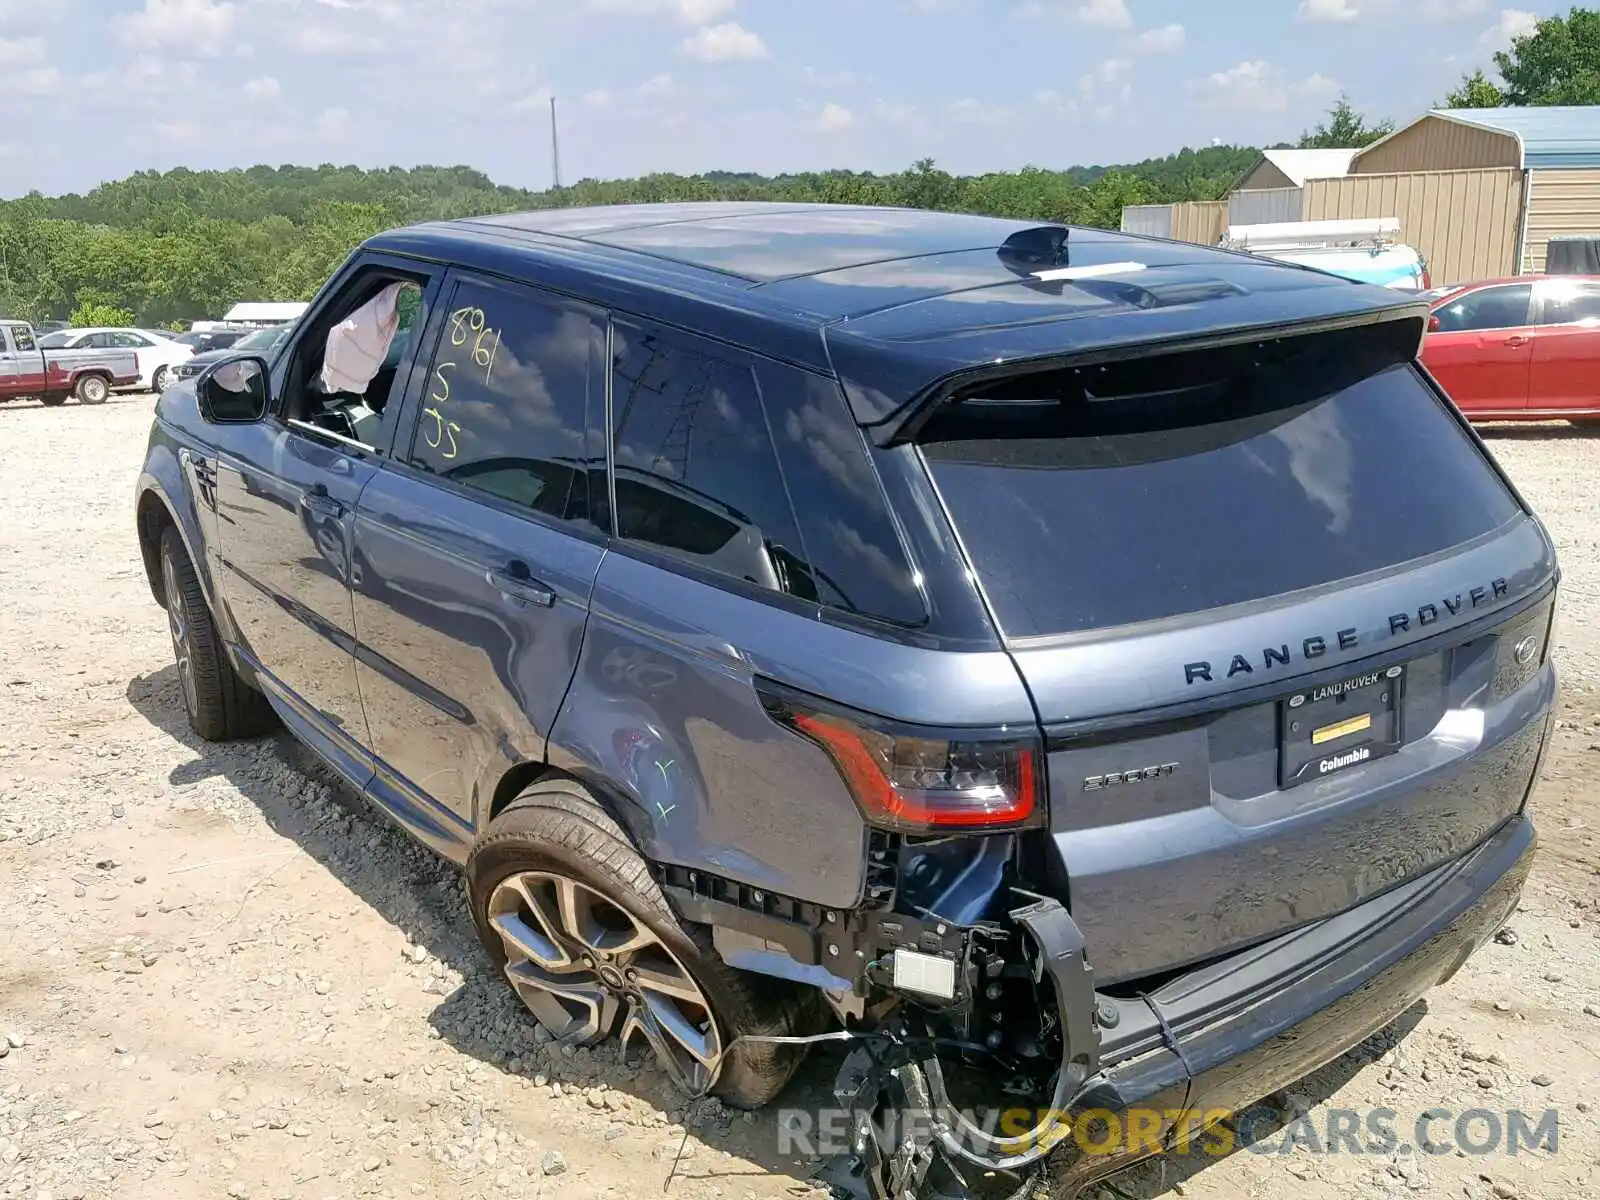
x: 1112, y: 338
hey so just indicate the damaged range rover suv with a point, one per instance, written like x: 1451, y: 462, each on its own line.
x: 1079, y: 671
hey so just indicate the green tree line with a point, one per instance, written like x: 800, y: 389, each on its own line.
x: 180, y: 245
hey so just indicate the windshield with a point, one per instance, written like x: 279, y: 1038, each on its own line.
x: 261, y: 339
x: 57, y: 340
x: 1187, y: 482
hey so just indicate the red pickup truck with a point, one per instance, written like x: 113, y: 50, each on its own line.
x: 53, y: 375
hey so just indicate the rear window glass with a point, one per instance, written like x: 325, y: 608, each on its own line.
x: 1111, y: 495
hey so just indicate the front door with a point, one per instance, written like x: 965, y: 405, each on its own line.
x: 1482, y: 347
x: 21, y: 363
x: 287, y: 490
x: 476, y: 552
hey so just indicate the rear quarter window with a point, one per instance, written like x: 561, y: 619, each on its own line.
x: 1112, y: 496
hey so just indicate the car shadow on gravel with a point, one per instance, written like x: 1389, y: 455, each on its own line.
x: 477, y: 1014
x: 422, y: 896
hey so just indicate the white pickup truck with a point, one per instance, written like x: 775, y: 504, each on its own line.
x: 53, y: 375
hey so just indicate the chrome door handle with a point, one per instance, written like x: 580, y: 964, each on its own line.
x: 519, y: 586
x: 321, y: 503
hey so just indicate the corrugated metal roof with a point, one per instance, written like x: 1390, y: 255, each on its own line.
x: 1301, y: 165
x: 1550, y: 136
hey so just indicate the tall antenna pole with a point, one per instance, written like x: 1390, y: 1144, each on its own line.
x: 555, y: 147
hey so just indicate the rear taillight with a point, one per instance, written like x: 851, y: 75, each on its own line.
x: 914, y: 778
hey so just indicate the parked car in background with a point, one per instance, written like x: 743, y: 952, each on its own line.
x: 1366, y: 251
x: 27, y: 368
x: 1525, y: 348
x: 205, y: 340
x: 260, y: 341
x: 1106, y: 667
x: 156, y: 353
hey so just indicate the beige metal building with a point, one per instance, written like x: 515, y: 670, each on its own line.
x: 1291, y: 168
x: 1554, y: 150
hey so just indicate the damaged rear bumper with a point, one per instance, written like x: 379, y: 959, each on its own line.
x: 1211, y: 1042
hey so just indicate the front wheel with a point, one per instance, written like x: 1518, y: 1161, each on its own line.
x: 220, y: 706
x: 568, y: 909
x: 160, y: 380
x: 92, y: 389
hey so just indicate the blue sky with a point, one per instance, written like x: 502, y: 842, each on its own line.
x: 96, y: 89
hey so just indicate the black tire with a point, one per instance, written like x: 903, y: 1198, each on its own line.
x: 53, y: 400
x: 91, y: 389
x: 161, y: 380
x: 556, y: 825
x: 220, y: 706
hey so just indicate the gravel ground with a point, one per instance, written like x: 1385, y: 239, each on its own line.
x: 221, y: 976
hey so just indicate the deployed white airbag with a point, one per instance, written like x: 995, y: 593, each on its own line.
x: 357, y: 345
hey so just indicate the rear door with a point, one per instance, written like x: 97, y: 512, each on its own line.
x: 1566, y: 351
x: 1482, y: 346
x: 1264, y: 619
x: 476, y: 551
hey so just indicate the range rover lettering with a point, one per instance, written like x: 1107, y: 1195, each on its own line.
x: 1039, y: 657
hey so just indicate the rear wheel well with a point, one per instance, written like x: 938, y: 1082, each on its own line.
x: 153, y: 518
x: 524, y: 775
x: 516, y: 781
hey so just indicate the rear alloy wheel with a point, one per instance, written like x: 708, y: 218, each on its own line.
x: 160, y: 380
x: 578, y: 960
x: 569, y: 909
x: 92, y: 389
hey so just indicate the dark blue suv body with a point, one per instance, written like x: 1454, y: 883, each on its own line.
x: 1113, y: 658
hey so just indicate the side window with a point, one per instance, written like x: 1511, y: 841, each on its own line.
x: 1489, y: 308
x: 1570, y: 304
x: 22, y: 337
x: 696, y: 473
x: 128, y: 341
x: 346, y: 366
x: 505, y: 402
x: 857, y: 559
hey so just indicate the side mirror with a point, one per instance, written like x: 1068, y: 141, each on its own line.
x: 233, y: 392
x: 1433, y: 324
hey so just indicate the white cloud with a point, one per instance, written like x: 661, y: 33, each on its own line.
x: 333, y: 124
x: 182, y: 133
x: 21, y: 50
x: 263, y: 87
x: 658, y: 85
x: 198, y: 26
x: 690, y: 12
x: 1513, y: 23
x: 599, y: 98
x: 1106, y: 14
x: 1333, y: 11
x: 829, y: 79
x: 41, y: 81
x: 1166, y: 39
x: 1256, y: 86
x: 968, y: 111
x: 1452, y: 10
x: 835, y: 118
x: 727, y: 42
